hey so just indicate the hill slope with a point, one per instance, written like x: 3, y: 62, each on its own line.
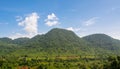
x: 60, y: 42
x: 105, y: 42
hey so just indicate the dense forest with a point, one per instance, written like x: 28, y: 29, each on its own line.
x: 60, y: 49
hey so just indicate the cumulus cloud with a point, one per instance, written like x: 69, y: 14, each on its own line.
x: 52, y: 20
x: 30, y: 23
x: 73, y: 29
x: 90, y: 21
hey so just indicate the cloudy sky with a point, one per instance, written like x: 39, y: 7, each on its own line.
x: 27, y: 18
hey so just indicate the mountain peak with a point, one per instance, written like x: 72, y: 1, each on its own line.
x: 58, y: 32
x: 103, y: 41
x: 98, y: 36
x: 58, y: 29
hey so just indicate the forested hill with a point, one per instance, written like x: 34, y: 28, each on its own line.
x: 104, y: 43
x: 60, y: 42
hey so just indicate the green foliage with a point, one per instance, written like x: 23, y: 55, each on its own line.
x: 104, y: 43
x: 60, y: 42
x: 26, y: 62
x: 113, y: 62
x: 60, y: 49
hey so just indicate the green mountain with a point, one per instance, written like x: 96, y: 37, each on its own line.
x: 5, y: 40
x: 60, y: 42
x: 6, y: 46
x: 20, y: 41
x: 104, y: 43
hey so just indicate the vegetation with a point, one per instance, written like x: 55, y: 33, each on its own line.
x: 60, y: 49
x: 26, y: 62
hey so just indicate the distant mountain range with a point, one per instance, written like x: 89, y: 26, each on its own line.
x: 60, y: 42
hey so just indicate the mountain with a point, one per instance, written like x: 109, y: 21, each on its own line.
x: 58, y: 42
x: 20, y: 41
x: 104, y: 42
x: 5, y: 40
x: 6, y: 46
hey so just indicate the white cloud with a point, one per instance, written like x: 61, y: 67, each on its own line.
x: 73, y: 29
x: 77, y: 29
x: 19, y: 18
x: 90, y: 21
x: 19, y: 35
x: 70, y: 28
x: 115, y: 35
x: 52, y: 20
x: 52, y: 17
x: 29, y: 24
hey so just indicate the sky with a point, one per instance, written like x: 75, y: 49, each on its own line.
x: 27, y: 18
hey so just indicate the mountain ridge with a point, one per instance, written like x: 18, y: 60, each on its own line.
x: 61, y: 42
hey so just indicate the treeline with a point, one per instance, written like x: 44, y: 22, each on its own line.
x: 26, y: 62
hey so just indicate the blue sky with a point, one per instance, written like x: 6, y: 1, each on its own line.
x: 27, y: 18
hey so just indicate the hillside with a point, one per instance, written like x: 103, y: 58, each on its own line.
x: 104, y: 42
x: 58, y: 42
